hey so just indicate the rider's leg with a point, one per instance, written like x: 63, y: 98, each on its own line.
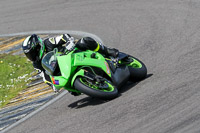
x: 89, y: 43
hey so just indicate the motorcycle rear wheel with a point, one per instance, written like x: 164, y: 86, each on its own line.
x: 84, y: 86
x: 137, y: 68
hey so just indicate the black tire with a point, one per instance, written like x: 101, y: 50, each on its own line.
x: 95, y: 92
x: 137, y: 73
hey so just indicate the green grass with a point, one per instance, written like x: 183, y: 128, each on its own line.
x: 14, y: 75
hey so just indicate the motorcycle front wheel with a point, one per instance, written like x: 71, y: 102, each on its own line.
x: 89, y: 88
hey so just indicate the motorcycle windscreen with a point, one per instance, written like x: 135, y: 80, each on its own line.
x: 49, y: 62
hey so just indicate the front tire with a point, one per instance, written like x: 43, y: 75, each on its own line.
x: 83, y: 85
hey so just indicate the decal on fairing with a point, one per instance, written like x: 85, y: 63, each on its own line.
x: 107, y: 68
x: 55, y: 82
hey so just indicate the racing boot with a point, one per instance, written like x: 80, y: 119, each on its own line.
x: 111, y: 52
x: 108, y: 51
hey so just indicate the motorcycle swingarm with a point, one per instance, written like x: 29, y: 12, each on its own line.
x: 120, y: 76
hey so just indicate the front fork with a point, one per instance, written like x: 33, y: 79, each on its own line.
x: 90, y: 77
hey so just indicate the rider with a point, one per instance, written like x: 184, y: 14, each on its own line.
x: 34, y: 48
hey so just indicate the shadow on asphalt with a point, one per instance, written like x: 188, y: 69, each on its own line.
x: 90, y: 101
x: 87, y: 101
x: 130, y: 85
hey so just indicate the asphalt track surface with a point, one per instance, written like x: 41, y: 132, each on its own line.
x: 164, y: 34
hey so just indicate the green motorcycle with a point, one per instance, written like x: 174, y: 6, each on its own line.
x: 91, y: 73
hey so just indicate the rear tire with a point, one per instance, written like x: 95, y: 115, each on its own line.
x: 138, y: 70
x: 85, y: 87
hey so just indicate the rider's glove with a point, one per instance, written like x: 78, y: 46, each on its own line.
x: 38, y: 71
x: 71, y: 39
x: 70, y: 44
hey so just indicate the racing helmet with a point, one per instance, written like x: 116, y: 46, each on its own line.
x: 33, y: 47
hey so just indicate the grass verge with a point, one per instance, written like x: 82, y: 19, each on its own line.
x: 15, y: 73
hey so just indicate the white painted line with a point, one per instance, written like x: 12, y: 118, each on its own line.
x: 35, y: 112
x: 77, y: 33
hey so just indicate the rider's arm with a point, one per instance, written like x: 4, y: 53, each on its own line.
x: 41, y: 71
x: 62, y: 39
x: 57, y: 41
x: 37, y: 65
